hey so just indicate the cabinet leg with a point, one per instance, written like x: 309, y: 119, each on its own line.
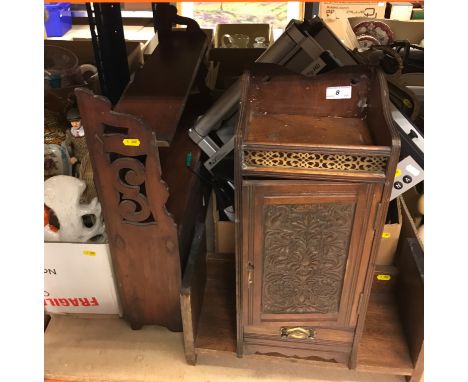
x: 418, y: 373
x: 191, y: 358
x: 135, y: 325
x: 46, y: 321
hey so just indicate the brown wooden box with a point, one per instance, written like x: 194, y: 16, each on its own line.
x: 224, y: 236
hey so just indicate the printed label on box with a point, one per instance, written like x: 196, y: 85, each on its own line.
x: 70, y: 301
x: 78, y: 278
x: 340, y: 10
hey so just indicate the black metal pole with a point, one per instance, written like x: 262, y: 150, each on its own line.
x: 311, y: 9
x: 105, y: 23
x: 94, y: 40
x: 163, y: 16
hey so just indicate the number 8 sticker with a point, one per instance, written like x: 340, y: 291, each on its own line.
x: 338, y: 92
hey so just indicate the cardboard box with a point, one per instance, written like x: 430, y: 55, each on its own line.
x: 224, y: 231
x: 343, y: 31
x: 410, y: 218
x: 78, y: 279
x: 339, y: 10
x: 230, y: 63
x: 251, y: 30
x: 399, y: 11
x: 413, y: 30
x: 136, y: 7
x: 390, y: 236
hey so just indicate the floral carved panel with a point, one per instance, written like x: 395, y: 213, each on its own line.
x: 304, y: 256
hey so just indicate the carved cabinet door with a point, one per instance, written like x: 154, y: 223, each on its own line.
x: 306, y: 252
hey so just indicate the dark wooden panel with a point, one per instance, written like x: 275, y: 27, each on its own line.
x: 305, y: 250
x: 188, y: 196
x: 296, y: 352
x: 383, y: 347
x: 410, y: 295
x: 316, y: 290
x: 385, y: 281
x: 142, y: 236
x: 159, y: 91
x: 410, y: 291
x: 418, y: 373
x: 284, y: 92
x: 231, y: 63
x: 192, y: 291
x: 307, y: 130
x: 378, y: 115
x: 217, y: 324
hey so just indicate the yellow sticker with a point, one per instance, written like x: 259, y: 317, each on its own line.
x: 407, y: 103
x: 397, y: 172
x: 384, y: 277
x: 386, y: 235
x: 89, y: 253
x: 131, y: 142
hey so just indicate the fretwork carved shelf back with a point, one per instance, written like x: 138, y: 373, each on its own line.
x: 143, y: 237
x: 304, y: 256
x: 129, y: 182
x: 307, y: 160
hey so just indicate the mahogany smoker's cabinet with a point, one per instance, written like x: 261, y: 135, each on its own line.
x: 313, y: 178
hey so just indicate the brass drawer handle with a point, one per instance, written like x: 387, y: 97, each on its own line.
x: 297, y: 333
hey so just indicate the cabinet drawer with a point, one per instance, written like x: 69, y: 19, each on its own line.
x: 301, y: 334
x: 301, y: 342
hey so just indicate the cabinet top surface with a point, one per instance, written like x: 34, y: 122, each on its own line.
x: 344, y: 108
x: 278, y: 128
